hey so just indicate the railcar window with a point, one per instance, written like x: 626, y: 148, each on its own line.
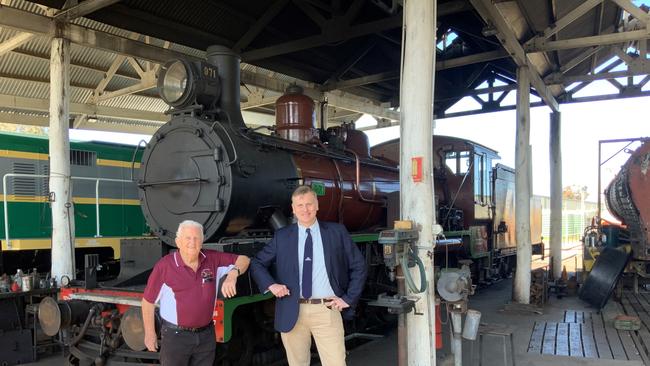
x: 457, y: 161
x: 479, y: 178
x: 464, y: 161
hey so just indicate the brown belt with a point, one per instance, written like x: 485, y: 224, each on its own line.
x: 312, y: 301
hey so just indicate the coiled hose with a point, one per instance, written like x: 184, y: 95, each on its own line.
x: 407, y: 273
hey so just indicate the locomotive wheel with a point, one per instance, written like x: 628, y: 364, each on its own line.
x: 239, y: 350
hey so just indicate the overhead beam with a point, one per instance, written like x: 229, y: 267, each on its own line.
x: 440, y: 65
x: 311, y: 12
x: 361, y: 107
x: 148, y: 82
x: 84, y: 8
x: 583, y: 42
x: 569, y: 18
x: 75, y: 64
x: 14, y: 42
x: 579, y: 58
x: 634, y: 10
x: 351, y: 61
x: 100, y: 125
x: 364, y: 80
x: 41, y: 25
x: 108, y: 76
x: 506, y: 36
x: 42, y: 105
x: 256, y: 29
x: 471, y: 59
x: 568, y: 80
x: 258, y: 102
x: 335, y: 98
x: 336, y: 35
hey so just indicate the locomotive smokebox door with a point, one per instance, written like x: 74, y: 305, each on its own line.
x: 185, y: 175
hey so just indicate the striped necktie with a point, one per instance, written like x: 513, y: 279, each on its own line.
x: 307, y: 266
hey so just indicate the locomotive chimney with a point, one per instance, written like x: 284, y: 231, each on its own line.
x: 228, y: 64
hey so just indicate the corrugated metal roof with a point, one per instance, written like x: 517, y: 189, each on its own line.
x: 195, y: 24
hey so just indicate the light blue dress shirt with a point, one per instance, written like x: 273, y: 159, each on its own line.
x: 321, y: 287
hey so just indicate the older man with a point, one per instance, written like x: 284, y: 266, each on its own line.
x: 185, y: 284
x: 319, y: 276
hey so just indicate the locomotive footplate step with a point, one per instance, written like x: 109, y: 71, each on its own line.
x: 112, y: 299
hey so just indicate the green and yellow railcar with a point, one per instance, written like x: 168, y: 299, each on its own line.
x: 106, y: 204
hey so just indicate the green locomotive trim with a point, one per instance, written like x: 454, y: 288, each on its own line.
x: 40, y: 145
x: 34, y: 220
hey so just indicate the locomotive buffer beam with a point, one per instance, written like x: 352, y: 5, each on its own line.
x: 170, y: 182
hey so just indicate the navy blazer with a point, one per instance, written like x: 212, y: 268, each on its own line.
x: 346, y: 269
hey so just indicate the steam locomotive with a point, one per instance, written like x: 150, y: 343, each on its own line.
x: 613, y: 248
x: 207, y: 166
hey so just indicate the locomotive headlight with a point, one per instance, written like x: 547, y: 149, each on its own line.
x: 182, y: 83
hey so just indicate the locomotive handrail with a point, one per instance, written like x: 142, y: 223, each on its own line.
x: 294, y: 146
x: 173, y: 181
x: 135, y: 152
x: 358, y: 179
x: 5, y: 197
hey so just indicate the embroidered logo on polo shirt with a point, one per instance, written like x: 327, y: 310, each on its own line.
x: 207, y: 275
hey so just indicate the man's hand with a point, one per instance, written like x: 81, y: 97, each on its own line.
x: 229, y: 286
x: 151, y: 341
x: 336, y: 303
x: 279, y: 290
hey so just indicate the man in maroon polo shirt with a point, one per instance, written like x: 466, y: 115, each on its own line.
x: 185, y: 284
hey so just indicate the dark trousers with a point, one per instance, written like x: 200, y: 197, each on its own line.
x: 181, y: 348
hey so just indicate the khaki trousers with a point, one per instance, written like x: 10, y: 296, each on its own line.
x: 326, y: 325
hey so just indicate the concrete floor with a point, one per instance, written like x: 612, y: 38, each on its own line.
x: 491, y: 303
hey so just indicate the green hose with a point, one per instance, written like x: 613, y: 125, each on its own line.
x: 407, y: 273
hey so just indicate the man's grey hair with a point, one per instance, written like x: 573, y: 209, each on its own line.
x: 189, y: 223
x: 303, y: 190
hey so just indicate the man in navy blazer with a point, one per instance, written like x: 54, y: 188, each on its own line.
x: 319, y: 275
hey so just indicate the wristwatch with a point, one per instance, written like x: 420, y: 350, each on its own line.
x: 237, y: 269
